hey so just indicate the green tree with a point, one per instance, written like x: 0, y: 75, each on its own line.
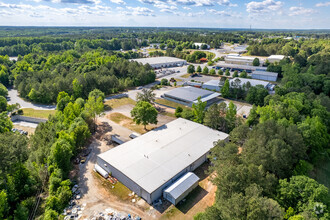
x: 191, y: 69
x: 243, y: 74
x: 3, y: 90
x: 60, y: 155
x: 199, y: 69
x: 299, y: 191
x: 77, y: 88
x: 95, y: 107
x: 225, y: 89
x: 220, y: 72
x: 63, y: 99
x: 205, y: 70
x: 214, y: 117
x: 5, y: 123
x: 256, y: 95
x: 199, y: 110
x: 4, y: 208
x: 146, y: 95
x: 212, y: 71
x: 3, y: 104
x: 256, y: 62
x: 231, y: 116
x: 227, y: 73
x: 96, y: 94
x: 144, y: 113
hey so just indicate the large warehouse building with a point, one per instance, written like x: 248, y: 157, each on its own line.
x: 150, y: 164
x: 239, y: 60
x: 264, y: 75
x: 188, y: 95
x: 275, y: 58
x: 161, y: 62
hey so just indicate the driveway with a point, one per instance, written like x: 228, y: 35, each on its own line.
x: 14, y: 98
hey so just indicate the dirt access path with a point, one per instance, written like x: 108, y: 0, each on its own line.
x: 94, y: 195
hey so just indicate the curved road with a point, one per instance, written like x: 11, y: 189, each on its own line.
x: 14, y: 98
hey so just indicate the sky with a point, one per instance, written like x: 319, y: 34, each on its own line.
x: 266, y: 14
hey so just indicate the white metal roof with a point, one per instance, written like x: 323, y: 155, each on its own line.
x: 182, y: 185
x: 253, y: 82
x: 190, y: 93
x: 276, y: 57
x: 158, y: 60
x: 157, y: 156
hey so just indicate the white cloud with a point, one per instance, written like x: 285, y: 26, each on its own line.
x: 224, y: 13
x: 301, y: 11
x: 323, y: 4
x: 198, y: 3
x: 186, y: 8
x: 119, y: 2
x: 139, y: 11
x: 264, y: 6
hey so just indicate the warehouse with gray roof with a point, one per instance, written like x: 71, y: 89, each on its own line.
x: 264, y: 75
x: 152, y: 162
x: 161, y: 62
x: 188, y: 95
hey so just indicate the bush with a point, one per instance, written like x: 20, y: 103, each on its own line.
x: 227, y: 72
x: 164, y: 82
x: 212, y: 71
x: 205, y: 70
x: 235, y: 74
x: 220, y: 72
x: 178, y: 112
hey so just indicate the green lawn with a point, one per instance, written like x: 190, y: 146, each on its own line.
x: 187, y: 75
x: 29, y: 112
x: 170, y: 103
x: 119, y: 190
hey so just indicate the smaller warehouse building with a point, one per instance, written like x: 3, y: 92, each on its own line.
x: 264, y: 75
x: 275, y: 58
x: 161, y: 62
x: 188, y: 95
x: 181, y: 188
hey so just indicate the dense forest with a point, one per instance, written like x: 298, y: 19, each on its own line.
x: 269, y: 169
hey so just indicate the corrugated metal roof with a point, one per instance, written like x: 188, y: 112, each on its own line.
x: 157, y: 156
x: 253, y: 82
x: 265, y: 73
x: 158, y: 60
x: 188, y: 93
x: 182, y: 185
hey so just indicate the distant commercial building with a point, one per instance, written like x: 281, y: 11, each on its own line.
x: 264, y: 75
x: 161, y: 62
x: 214, y: 84
x: 199, y: 45
x: 275, y: 58
x: 239, y: 49
x: 253, y: 82
x: 237, y: 67
x: 159, y: 162
x: 239, y: 60
x: 188, y: 95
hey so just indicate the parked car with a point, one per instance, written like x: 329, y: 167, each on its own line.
x: 83, y: 160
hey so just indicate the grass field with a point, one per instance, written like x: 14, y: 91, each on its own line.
x: 187, y: 75
x: 170, y: 103
x: 115, y: 103
x: 127, y: 122
x: 119, y: 190
x: 29, y: 112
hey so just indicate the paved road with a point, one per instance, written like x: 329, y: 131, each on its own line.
x: 14, y: 98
